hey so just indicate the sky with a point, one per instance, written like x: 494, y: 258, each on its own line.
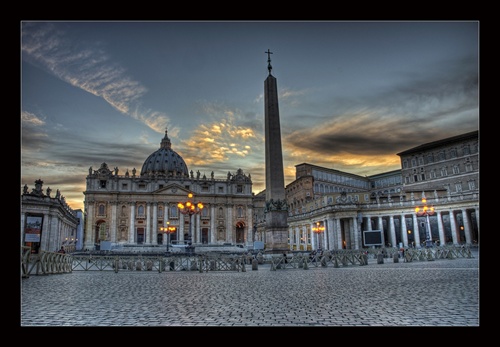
x: 352, y: 94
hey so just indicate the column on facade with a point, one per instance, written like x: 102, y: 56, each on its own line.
x: 198, y: 227
x: 49, y: 235
x: 155, y: 224
x: 89, y: 223
x: 164, y: 223
x: 329, y: 230
x: 338, y: 232
x: 54, y: 229
x: 213, y: 228
x: 467, y: 233
x: 314, y: 241
x: 113, y: 222
x: 453, y: 226
x: 404, y: 231
x: 380, y: 226
x: 368, y: 223
x: 148, y: 224
x: 249, y: 214
x: 131, y: 228
x: 392, y: 231
x: 416, y: 231
x: 229, y: 224
x: 442, y: 239
x: 355, y: 232
x: 324, y: 236
x: 296, y: 231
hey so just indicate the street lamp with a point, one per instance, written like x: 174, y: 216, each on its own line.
x: 190, y: 208
x: 318, y: 229
x: 168, y: 230
x: 426, y: 211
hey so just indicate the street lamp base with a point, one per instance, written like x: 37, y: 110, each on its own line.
x: 428, y: 243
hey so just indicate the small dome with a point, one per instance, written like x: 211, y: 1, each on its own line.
x: 165, y: 161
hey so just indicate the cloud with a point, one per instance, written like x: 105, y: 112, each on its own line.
x: 87, y: 66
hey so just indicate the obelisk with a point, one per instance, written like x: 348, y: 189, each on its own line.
x: 276, y: 209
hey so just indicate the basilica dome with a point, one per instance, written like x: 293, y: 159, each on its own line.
x: 165, y: 161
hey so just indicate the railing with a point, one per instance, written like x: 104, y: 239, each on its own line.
x: 44, y: 263
x: 344, y: 257
x: 160, y: 263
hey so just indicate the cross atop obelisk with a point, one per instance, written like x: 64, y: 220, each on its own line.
x: 269, y: 67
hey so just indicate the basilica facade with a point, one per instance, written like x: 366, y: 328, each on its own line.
x: 142, y: 207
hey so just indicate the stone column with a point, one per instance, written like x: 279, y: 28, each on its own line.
x: 404, y: 231
x: 468, y: 237
x: 89, y: 226
x: 442, y: 239
x: 113, y: 223
x: 131, y: 230
x: 453, y: 225
x: 392, y: 231
x: 416, y: 230
x: 154, y: 233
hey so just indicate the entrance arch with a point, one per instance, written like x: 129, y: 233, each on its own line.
x: 240, y: 232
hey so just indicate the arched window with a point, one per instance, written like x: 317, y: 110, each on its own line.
x: 102, y: 210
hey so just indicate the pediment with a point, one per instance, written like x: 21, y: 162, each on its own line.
x: 173, y: 189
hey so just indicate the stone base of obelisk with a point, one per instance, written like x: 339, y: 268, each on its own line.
x: 276, y: 241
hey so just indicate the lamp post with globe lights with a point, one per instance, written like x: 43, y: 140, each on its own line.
x: 167, y: 230
x: 190, y: 208
x: 426, y: 211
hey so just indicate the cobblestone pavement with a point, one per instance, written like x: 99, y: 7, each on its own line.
x: 420, y: 293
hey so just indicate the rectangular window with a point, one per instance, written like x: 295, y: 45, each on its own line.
x: 102, y: 184
x: 124, y: 186
x: 239, y: 188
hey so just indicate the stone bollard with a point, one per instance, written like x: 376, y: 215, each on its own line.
x: 395, y: 257
x: 336, y: 262
x: 306, y: 267
x: 323, y: 261
x: 255, y: 264
x: 380, y: 258
x: 365, y: 258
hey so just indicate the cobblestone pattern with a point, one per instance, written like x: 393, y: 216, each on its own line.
x: 433, y: 293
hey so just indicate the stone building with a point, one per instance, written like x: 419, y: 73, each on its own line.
x: 47, y: 222
x: 331, y: 209
x: 138, y: 208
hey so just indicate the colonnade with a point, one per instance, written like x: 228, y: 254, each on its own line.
x: 344, y: 230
